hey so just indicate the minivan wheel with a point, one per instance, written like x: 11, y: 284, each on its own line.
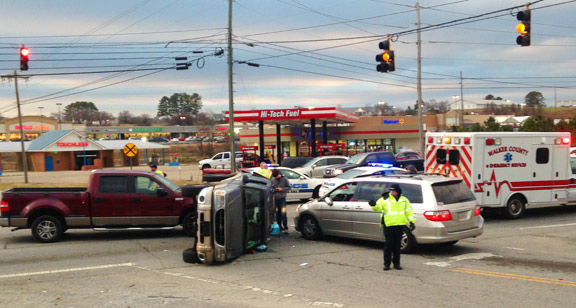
x: 310, y: 228
x: 408, y: 242
x: 515, y: 208
x: 47, y: 229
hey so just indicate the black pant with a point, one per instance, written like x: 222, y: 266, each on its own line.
x: 393, y: 236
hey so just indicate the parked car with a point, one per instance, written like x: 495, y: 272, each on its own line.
x: 135, y: 138
x: 328, y: 184
x: 315, y: 167
x: 113, y: 200
x: 158, y: 140
x: 222, y: 158
x: 445, y: 209
x: 365, y: 159
x: 301, y: 185
x: 295, y: 161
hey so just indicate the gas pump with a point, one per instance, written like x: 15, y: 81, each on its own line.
x: 174, y: 161
x: 249, y: 156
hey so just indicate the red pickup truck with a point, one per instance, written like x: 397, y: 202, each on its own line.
x: 114, y: 200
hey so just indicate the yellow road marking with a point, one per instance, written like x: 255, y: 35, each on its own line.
x: 515, y: 276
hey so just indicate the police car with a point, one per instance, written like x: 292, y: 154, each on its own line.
x: 373, y: 169
x: 301, y: 185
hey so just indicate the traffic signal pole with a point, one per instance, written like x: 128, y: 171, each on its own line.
x: 419, y: 84
x: 24, y: 160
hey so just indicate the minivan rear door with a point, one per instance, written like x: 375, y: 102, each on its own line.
x: 456, y: 197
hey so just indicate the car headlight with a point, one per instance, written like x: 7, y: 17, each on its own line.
x: 338, y: 171
x: 298, y: 210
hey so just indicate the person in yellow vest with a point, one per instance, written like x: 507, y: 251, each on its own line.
x: 396, y: 213
x: 264, y: 171
x: 154, y: 168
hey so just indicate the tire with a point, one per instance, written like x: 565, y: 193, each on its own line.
x: 515, y: 208
x: 190, y: 224
x: 190, y: 255
x: 47, y: 229
x: 408, y: 242
x: 316, y: 192
x: 309, y: 228
x: 206, y: 166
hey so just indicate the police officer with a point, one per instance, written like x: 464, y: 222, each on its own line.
x: 154, y: 168
x: 264, y: 171
x: 396, y: 214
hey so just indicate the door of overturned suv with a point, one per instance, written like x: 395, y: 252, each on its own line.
x: 234, y: 217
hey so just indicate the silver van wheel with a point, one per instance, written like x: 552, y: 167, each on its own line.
x: 407, y: 243
x: 310, y: 228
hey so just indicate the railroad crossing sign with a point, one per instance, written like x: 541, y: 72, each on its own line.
x: 130, y: 150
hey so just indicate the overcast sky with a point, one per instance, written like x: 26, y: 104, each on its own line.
x: 312, y: 53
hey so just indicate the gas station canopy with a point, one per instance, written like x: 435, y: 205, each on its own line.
x: 295, y: 116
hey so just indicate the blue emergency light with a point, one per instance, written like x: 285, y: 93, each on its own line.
x: 380, y: 165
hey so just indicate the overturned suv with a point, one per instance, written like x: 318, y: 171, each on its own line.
x: 233, y: 217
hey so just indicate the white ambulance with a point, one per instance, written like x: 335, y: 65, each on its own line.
x: 508, y: 170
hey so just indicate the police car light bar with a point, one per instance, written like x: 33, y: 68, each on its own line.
x: 380, y: 165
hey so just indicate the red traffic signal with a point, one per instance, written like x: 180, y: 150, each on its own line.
x: 524, y: 27
x: 24, y: 53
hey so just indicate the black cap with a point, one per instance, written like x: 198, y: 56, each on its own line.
x: 153, y: 166
x: 395, y: 187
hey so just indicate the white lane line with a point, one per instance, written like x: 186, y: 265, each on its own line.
x: 67, y: 270
x: 548, y: 226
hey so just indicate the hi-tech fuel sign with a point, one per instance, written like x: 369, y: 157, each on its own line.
x: 322, y: 113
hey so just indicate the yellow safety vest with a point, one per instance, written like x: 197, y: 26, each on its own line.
x: 265, y: 173
x: 159, y: 172
x: 394, y: 212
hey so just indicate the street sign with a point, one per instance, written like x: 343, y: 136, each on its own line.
x: 130, y: 150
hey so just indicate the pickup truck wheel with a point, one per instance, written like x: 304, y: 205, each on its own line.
x: 190, y: 224
x: 47, y: 229
x: 408, y: 242
x: 515, y: 208
x: 310, y: 228
x: 190, y: 255
x: 206, y: 166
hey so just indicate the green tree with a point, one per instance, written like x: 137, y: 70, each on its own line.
x: 491, y: 125
x: 537, y: 123
x: 179, y: 104
x: 489, y: 97
x: 476, y: 127
x: 81, y: 112
x: 534, y: 99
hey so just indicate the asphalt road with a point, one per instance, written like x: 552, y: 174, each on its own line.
x: 522, y: 263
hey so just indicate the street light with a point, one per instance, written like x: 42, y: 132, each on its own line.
x: 41, y: 120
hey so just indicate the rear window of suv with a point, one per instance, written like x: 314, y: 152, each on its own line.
x: 452, y: 192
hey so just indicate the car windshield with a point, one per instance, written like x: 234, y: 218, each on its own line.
x: 352, y: 173
x: 310, y: 162
x: 356, y: 158
x: 173, y: 186
x: 452, y: 192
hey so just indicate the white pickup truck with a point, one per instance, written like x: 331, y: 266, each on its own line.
x: 222, y: 158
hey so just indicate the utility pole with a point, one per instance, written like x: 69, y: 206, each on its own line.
x: 231, y: 94
x: 461, y: 118
x: 24, y: 161
x: 555, y: 101
x: 59, y: 116
x: 419, y: 84
x: 41, y: 120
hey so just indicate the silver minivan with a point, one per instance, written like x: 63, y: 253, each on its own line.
x: 445, y: 209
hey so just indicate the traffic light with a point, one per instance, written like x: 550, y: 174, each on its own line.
x: 524, y: 27
x: 386, y: 62
x: 24, y: 53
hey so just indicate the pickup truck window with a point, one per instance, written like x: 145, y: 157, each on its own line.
x: 113, y: 184
x: 145, y: 185
x: 166, y: 182
x: 217, y: 156
x: 226, y: 155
